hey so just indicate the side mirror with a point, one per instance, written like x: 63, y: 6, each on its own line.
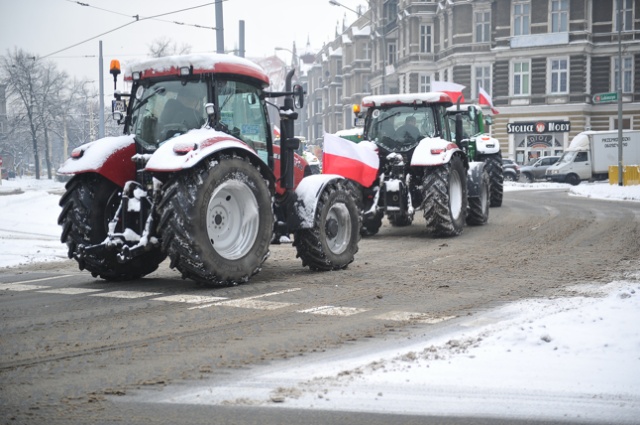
x: 298, y: 96
x: 118, y: 109
x: 488, y: 120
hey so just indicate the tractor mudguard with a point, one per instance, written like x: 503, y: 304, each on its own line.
x: 474, y: 178
x: 308, y: 193
x: 187, y: 150
x: 109, y: 157
x: 433, y: 151
x: 487, y: 145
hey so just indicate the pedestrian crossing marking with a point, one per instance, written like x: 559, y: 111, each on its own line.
x: 69, y: 291
x: 126, y: 294
x: 189, y: 299
x: 329, y: 310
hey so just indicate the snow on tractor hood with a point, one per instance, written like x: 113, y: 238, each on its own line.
x: 94, y: 154
x: 185, y: 151
x: 433, y: 151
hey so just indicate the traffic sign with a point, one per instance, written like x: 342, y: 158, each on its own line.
x: 605, y: 97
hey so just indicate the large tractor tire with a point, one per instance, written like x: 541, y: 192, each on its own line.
x: 445, y: 198
x: 332, y: 242
x: 217, y: 221
x: 88, y: 205
x: 478, y: 212
x: 493, y: 164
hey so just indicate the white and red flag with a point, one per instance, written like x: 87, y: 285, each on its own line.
x: 351, y: 160
x: 452, y: 89
x: 485, y: 99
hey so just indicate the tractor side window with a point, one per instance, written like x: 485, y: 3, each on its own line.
x: 243, y: 113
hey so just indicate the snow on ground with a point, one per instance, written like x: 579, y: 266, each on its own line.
x: 573, y: 358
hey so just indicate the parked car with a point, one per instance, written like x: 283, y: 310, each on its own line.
x: 536, y: 168
x: 510, y: 170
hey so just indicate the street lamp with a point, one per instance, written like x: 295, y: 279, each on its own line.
x: 335, y: 3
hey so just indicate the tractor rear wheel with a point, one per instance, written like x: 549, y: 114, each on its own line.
x: 332, y: 242
x: 478, y: 212
x: 493, y: 164
x: 445, y: 198
x: 88, y: 205
x: 217, y: 221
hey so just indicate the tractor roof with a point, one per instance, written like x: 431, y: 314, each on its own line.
x: 406, y: 99
x: 463, y: 108
x: 201, y: 63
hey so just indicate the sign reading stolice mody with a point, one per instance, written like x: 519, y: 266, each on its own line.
x: 539, y: 127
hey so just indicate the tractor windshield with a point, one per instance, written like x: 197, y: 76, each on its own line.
x: 400, y: 128
x: 469, y: 124
x: 165, y: 109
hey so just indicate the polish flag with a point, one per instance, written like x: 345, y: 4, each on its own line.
x: 452, y: 89
x: 485, y: 99
x: 351, y: 160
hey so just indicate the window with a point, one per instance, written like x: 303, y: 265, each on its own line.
x: 521, y: 76
x: 559, y: 77
x: 339, y: 95
x: 627, y: 74
x: 424, y: 83
x: 559, y: 15
x: 391, y: 57
x: 367, y: 50
x: 627, y: 15
x: 521, y: 17
x: 581, y: 157
x: 483, y: 26
x: 339, y: 67
x: 482, y: 76
x: 426, y: 38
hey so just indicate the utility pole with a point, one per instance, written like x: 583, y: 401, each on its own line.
x: 219, y: 28
x: 619, y: 90
x: 101, y: 85
x: 241, y: 39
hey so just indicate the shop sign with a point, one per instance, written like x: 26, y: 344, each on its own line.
x: 539, y: 127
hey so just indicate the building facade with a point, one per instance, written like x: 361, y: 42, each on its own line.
x: 550, y: 66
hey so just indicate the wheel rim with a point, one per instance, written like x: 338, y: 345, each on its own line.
x: 232, y: 219
x: 338, y: 228
x: 455, y: 195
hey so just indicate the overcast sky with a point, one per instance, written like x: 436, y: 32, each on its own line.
x: 42, y: 27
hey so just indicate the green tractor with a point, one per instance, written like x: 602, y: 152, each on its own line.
x: 480, y: 146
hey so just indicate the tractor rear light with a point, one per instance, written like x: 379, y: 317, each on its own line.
x: 77, y: 153
x: 135, y: 76
x: 438, y: 151
x: 184, y: 148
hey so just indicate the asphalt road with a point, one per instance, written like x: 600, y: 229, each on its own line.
x: 77, y: 350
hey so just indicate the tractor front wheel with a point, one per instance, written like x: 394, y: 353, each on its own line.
x: 332, y: 242
x: 217, y: 221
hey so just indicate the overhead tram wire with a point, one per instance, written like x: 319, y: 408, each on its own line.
x: 137, y: 19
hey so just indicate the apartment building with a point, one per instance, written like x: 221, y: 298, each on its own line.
x: 551, y: 66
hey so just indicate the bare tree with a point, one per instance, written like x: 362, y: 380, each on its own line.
x: 165, y: 47
x: 34, y: 89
